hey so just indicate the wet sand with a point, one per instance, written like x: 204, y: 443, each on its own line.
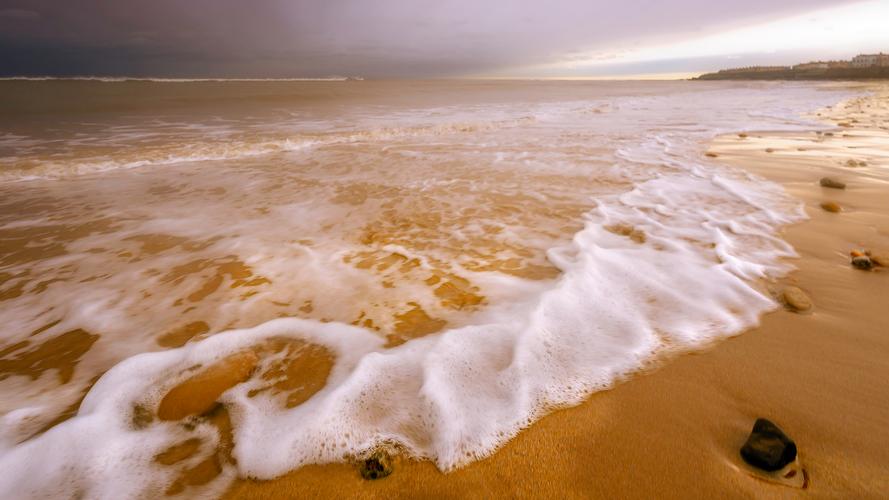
x: 674, y: 431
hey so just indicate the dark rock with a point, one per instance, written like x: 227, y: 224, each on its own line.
x: 862, y: 262
x: 832, y: 183
x: 377, y: 466
x: 768, y: 448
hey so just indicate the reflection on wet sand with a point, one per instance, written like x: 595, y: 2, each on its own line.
x: 59, y: 354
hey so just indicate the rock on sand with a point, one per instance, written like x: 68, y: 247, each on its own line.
x: 862, y: 262
x: 767, y: 447
x: 796, y: 300
x: 831, y: 206
x: 880, y: 258
x: 832, y: 183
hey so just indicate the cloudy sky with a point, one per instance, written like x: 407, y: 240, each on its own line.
x: 427, y: 38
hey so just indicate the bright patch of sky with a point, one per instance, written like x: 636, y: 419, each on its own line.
x: 831, y: 33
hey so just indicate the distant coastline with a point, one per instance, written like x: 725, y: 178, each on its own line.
x: 860, y: 67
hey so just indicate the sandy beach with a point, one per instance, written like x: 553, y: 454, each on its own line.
x: 674, y: 431
x: 577, y: 249
x: 515, y: 289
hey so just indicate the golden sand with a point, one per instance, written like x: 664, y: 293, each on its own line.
x: 819, y: 371
x: 675, y: 431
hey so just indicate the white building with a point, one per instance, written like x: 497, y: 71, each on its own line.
x: 870, y: 60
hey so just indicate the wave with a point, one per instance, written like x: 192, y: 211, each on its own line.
x: 197, y: 149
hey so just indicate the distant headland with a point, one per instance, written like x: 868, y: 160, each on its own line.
x: 863, y: 66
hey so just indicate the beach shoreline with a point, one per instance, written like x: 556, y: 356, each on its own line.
x: 675, y: 431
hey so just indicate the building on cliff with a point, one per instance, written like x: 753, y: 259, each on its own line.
x: 870, y: 60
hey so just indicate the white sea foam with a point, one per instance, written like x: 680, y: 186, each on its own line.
x: 711, y: 233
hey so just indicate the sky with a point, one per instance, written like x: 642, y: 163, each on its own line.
x: 428, y: 38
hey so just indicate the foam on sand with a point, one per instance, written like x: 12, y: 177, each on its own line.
x: 456, y: 396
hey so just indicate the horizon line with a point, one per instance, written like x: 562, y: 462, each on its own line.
x: 672, y: 76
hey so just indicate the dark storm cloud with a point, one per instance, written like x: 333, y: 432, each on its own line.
x: 319, y: 38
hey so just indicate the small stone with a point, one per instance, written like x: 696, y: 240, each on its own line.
x: 862, y: 163
x: 377, y: 466
x: 880, y: 259
x: 829, y: 134
x: 770, y: 150
x: 742, y: 135
x: 831, y: 206
x: 862, y: 262
x: 852, y: 163
x: 796, y: 299
x: 711, y: 155
x: 767, y: 447
x: 832, y: 183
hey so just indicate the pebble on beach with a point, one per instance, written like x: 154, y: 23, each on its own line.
x: 862, y: 262
x: 796, y: 299
x: 867, y: 260
x: 767, y: 447
x: 831, y: 206
x: 880, y: 259
x: 770, y: 150
x: 832, y: 183
x: 711, y: 155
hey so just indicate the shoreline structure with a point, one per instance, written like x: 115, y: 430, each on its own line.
x: 820, y: 375
x: 860, y: 67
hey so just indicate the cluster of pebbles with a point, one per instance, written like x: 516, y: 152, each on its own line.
x: 768, y: 451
